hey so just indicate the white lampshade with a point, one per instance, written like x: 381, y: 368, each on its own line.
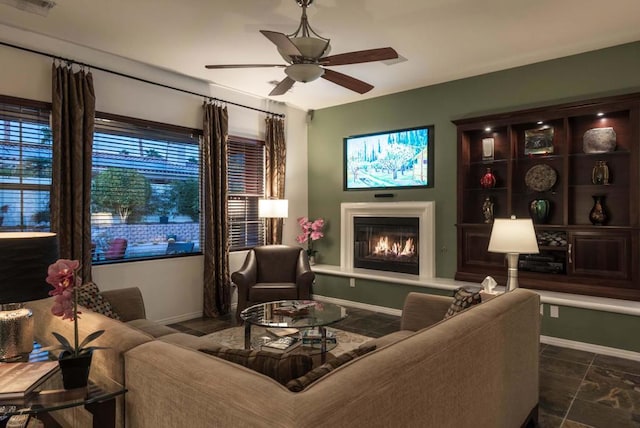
x: 513, y: 236
x: 273, y: 208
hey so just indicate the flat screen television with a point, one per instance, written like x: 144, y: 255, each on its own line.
x: 400, y: 159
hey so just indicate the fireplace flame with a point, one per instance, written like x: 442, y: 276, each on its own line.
x: 383, y: 247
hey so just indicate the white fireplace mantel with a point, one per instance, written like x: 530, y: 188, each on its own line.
x: 424, y: 211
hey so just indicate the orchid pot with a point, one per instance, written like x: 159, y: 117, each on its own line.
x: 75, y: 370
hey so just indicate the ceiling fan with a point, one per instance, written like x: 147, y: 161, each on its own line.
x: 305, y: 52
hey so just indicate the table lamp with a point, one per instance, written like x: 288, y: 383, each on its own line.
x: 513, y: 237
x: 273, y: 208
x: 26, y: 257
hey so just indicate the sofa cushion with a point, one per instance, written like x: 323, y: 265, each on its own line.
x: 89, y: 297
x: 280, y: 367
x: 151, y: 327
x: 186, y: 340
x: 300, y: 383
x: 463, y: 299
x: 387, y: 339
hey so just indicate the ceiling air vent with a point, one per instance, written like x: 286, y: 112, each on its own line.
x: 40, y: 7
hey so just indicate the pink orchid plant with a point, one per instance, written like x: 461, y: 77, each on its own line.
x: 311, y: 231
x: 62, y: 276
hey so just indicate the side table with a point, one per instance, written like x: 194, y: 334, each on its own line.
x: 98, y: 398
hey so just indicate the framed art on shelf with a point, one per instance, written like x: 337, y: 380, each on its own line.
x: 538, y: 141
x: 487, y: 149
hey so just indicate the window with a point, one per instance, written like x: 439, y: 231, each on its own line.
x: 145, y: 194
x: 246, y: 186
x: 25, y: 165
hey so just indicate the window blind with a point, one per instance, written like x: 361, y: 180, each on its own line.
x: 25, y: 165
x: 246, y: 186
x: 145, y: 188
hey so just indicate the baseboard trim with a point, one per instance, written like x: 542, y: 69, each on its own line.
x: 358, y: 305
x: 590, y: 347
x: 180, y: 318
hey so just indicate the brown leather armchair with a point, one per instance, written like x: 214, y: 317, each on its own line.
x: 273, y: 272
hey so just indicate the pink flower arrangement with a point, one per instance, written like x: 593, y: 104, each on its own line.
x: 311, y: 231
x: 62, y: 276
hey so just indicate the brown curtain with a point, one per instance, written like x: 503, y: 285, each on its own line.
x: 275, y: 160
x: 217, y: 284
x: 72, y: 122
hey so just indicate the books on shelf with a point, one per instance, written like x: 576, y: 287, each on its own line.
x: 19, y: 379
x: 282, y: 345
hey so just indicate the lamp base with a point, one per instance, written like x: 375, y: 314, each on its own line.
x: 16, y: 331
x: 512, y: 271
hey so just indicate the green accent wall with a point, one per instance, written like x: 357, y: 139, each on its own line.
x: 598, y: 327
x: 376, y: 293
x: 605, y: 72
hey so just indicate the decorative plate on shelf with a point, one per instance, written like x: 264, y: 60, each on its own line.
x: 540, y: 178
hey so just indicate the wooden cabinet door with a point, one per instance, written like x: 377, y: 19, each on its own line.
x: 597, y: 254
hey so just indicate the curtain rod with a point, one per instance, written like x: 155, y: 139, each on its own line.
x: 117, y: 73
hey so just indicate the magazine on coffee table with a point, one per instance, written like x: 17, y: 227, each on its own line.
x: 282, y: 345
x: 282, y: 331
x: 313, y: 335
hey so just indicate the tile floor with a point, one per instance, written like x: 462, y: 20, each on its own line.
x: 577, y: 389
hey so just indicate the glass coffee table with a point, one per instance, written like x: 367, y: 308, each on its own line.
x: 298, y: 314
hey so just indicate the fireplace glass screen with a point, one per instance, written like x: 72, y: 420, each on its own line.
x: 386, y: 243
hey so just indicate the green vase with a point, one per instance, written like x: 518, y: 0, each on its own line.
x: 539, y: 210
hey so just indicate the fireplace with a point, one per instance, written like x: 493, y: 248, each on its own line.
x: 386, y: 243
x: 405, y: 234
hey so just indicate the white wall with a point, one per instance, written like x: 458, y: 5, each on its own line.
x: 172, y: 288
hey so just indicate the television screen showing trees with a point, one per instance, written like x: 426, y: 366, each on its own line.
x: 389, y: 160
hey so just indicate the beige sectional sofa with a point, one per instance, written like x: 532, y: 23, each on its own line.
x: 476, y: 369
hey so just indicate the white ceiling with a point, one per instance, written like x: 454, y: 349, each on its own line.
x: 442, y: 40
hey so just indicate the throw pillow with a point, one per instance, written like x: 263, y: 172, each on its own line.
x: 463, y: 299
x: 280, y: 367
x: 298, y: 384
x: 89, y: 296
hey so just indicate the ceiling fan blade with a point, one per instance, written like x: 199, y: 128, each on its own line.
x: 220, y: 66
x: 282, y: 42
x: 283, y: 86
x: 358, y: 57
x: 347, y: 81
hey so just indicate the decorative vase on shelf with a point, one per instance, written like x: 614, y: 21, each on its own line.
x: 75, y: 370
x: 539, y: 210
x: 598, y: 214
x: 487, y: 210
x: 600, y: 173
x: 488, y: 180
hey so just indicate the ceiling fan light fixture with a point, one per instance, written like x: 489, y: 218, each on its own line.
x: 304, y: 72
x: 312, y: 47
x: 309, y: 47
